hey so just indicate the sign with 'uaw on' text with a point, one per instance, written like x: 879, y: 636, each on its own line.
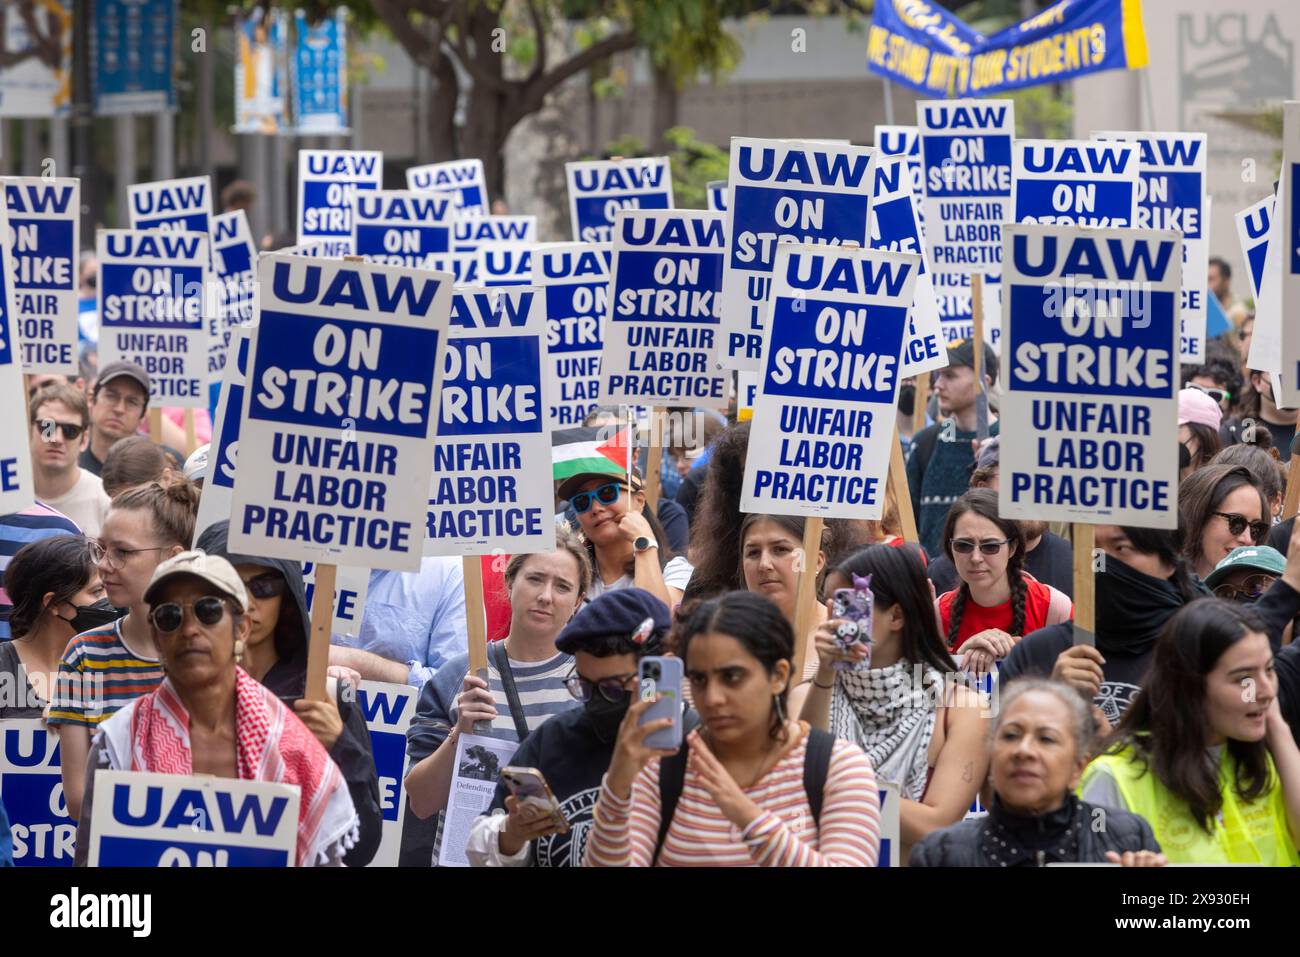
x: 174, y: 820
x: 1075, y: 183
x: 17, y: 490
x: 179, y: 205
x: 824, y: 416
x: 598, y: 189
x: 575, y: 279
x: 662, y: 324
x: 234, y: 258
x: 152, y: 299
x: 31, y: 790
x: 464, y: 178
x: 1089, y: 375
x: 399, y: 227
x: 966, y: 161
x: 493, y: 441
x: 327, y: 182
x: 504, y: 264
x: 1258, y: 232
x: 388, y: 710
x: 45, y: 216
x: 783, y: 191
x: 1172, y: 195
x: 470, y: 233
x: 340, y: 412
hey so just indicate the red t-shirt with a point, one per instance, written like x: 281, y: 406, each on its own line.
x: 976, y: 618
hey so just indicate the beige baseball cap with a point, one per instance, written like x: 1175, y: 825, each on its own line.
x: 213, y: 569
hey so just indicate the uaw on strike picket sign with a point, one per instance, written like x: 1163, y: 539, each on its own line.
x: 152, y: 298
x: 662, y: 324
x: 1075, y: 183
x: 1090, y: 375
x: 234, y: 258
x: 575, y: 279
x: 175, y: 820
x: 388, y: 710
x: 178, y: 205
x: 493, y: 441
x: 469, y: 233
x: 598, y: 189
x: 824, y: 417
x: 783, y: 191
x: 504, y: 264
x: 463, y: 178
x: 16, y: 488
x: 399, y: 227
x: 327, y: 182
x: 45, y: 218
x: 340, y: 411
x: 31, y: 790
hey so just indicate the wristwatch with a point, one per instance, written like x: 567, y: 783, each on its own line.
x: 643, y: 544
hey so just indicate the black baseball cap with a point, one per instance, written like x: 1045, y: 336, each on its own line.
x: 119, y: 370
x: 962, y: 353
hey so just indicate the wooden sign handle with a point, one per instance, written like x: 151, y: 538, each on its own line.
x: 1084, y: 589
x: 902, y: 493
x: 1291, y: 503
x: 805, y: 608
x: 476, y: 625
x: 922, y: 400
x: 654, y: 460
x: 322, y: 617
x: 191, y: 437
x: 977, y: 327
x: 155, y: 425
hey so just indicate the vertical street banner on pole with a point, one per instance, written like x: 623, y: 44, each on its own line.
x: 388, y: 710
x: 469, y: 233
x: 234, y: 261
x: 966, y: 161
x: 662, y: 324
x: 320, y: 74
x: 463, y: 177
x: 1075, y: 183
x: 134, y: 43
x: 17, y: 490
x: 152, y: 298
x: 37, y: 39
x: 262, y: 37
x: 1090, y: 375
x: 45, y: 220
x: 504, y: 264
x: 824, y: 416
x: 1172, y: 195
x: 327, y: 182
x: 493, y: 440
x: 716, y: 195
x: 31, y: 790
x: 598, y: 189
x: 398, y: 227
x: 176, y: 205
x: 575, y: 280
x: 783, y: 191
x: 340, y: 412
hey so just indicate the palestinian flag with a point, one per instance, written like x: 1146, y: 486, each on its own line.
x: 571, y: 458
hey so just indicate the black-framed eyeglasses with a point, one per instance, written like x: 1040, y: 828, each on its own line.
x: 115, y: 556
x: 1250, y: 590
x: 1217, y: 394
x: 113, y: 397
x: 169, y: 616
x: 71, y: 431
x: 267, y: 585
x: 965, y: 546
x: 613, y: 689
x: 1239, y: 523
x: 606, y: 495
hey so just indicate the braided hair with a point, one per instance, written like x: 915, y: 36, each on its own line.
x: 984, y: 503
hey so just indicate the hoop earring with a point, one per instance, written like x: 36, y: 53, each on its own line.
x: 780, y: 709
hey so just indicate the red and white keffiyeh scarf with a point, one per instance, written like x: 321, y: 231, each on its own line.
x: 271, y: 744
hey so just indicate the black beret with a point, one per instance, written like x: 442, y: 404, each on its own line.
x: 620, y: 614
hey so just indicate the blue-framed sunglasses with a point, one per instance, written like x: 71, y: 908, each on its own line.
x: 607, y: 495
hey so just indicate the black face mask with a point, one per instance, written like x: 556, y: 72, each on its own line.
x: 906, y: 398
x: 1132, y: 608
x: 1184, y: 456
x: 606, y: 716
x: 97, y: 615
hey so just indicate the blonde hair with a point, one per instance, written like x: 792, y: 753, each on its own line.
x: 172, y: 508
x: 566, y: 540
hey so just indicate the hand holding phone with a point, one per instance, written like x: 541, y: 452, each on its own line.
x: 529, y: 788
x: 662, y: 676
x: 853, y: 606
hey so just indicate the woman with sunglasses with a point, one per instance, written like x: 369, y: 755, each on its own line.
x: 1220, y: 507
x: 998, y: 602
x: 208, y: 717
x: 108, y: 667
x: 56, y: 593
x: 1203, y: 753
x: 275, y: 654
x: 526, y: 674
x: 625, y: 542
x: 606, y: 638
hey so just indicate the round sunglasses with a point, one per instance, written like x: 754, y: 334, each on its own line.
x: 1239, y: 523
x: 964, y: 546
x: 606, y: 495
x: 613, y: 689
x: 1250, y: 590
x: 169, y: 616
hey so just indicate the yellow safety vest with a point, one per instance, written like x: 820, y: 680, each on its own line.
x: 1246, y: 832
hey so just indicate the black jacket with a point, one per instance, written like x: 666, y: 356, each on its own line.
x: 1068, y: 835
x: 287, y: 678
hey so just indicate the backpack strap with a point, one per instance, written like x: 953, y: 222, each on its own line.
x: 816, y: 768
x: 672, y: 776
x: 502, y: 661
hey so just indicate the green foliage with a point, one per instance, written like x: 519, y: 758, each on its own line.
x: 1043, y: 112
x: 694, y: 163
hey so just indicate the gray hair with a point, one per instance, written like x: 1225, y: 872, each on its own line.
x: 1080, y: 709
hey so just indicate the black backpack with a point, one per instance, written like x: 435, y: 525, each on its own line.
x: 672, y: 776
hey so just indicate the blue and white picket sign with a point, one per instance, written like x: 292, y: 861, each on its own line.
x: 45, y: 219
x: 905, y: 141
x: 783, y: 191
x: 464, y: 177
x: 575, y: 280
x: 152, y: 303
x: 399, y: 227
x: 823, y: 425
x: 1075, y: 183
x: 471, y: 232
x: 234, y: 270
x: 340, y: 412
x: 504, y: 264
x: 17, y: 491
x: 388, y: 709
x: 327, y: 181
x: 493, y: 440
x: 31, y: 790
x: 1089, y: 375
x: 1260, y: 230
x: 662, y: 319
x: 462, y: 266
x: 746, y: 390
x: 896, y: 226
x: 716, y: 194
x: 966, y: 162
x: 1172, y: 195
x: 176, y: 820
x: 351, y: 585
x: 952, y: 290
x: 1253, y: 226
x: 1289, y: 261
x: 176, y: 205
x: 219, y: 480
x: 891, y: 830
x: 598, y: 189
x: 134, y: 43
x: 319, y: 70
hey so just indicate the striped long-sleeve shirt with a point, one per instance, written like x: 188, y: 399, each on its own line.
x: 784, y: 835
x: 98, y: 676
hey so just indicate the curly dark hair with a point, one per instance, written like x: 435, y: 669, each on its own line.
x: 715, y: 534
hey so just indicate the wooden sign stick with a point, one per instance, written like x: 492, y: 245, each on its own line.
x: 476, y: 624
x: 805, y: 607
x: 1291, y: 503
x: 977, y: 349
x: 191, y: 438
x: 654, y: 461
x: 155, y: 425
x: 922, y: 400
x: 1084, y: 589
x: 322, y: 618
x: 902, y: 493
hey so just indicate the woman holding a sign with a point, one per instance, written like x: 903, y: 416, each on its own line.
x: 1203, y: 753
x: 1221, y: 507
